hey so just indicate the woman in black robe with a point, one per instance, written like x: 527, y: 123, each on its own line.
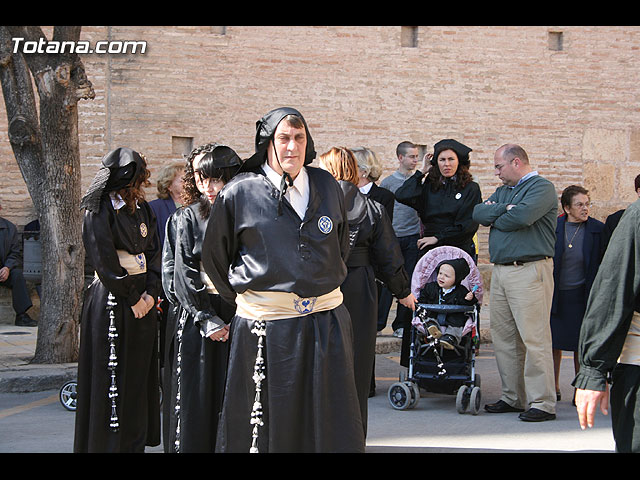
x: 445, y: 199
x: 118, y: 407
x: 196, y: 357
x: 375, y: 252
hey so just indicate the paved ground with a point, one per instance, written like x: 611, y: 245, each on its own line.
x: 35, y: 421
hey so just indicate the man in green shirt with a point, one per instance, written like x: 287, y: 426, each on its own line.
x: 522, y: 215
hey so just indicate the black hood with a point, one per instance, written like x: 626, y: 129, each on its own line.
x: 355, y: 202
x: 120, y: 167
x: 460, y: 266
x: 265, y: 128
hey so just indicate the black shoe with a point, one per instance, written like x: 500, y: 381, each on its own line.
x: 501, y: 407
x: 536, y: 415
x: 24, y: 320
x: 448, y: 341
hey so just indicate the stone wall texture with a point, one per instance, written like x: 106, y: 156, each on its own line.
x: 576, y: 111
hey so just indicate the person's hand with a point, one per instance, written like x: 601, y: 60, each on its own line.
x: 424, y: 242
x: 140, y: 309
x: 587, y: 401
x: 409, y: 301
x: 4, y: 274
x: 149, y: 301
x: 426, y: 163
x: 221, y: 335
x: 468, y: 296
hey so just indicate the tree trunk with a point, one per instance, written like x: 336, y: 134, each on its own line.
x: 47, y: 151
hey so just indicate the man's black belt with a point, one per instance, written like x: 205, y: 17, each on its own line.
x: 522, y: 262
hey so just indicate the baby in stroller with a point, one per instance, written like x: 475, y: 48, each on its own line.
x: 447, y: 289
x: 433, y: 367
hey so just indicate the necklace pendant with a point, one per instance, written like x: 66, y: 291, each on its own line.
x: 570, y: 246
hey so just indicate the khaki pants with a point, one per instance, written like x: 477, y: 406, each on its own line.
x: 520, y: 305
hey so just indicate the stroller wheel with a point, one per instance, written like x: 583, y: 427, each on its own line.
x: 400, y: 396
x: 474, y: 400
x: 415, y: 393
x: 68, y: 395
x: 462, y: 399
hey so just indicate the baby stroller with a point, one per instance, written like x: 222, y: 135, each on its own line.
x: 432, y: 367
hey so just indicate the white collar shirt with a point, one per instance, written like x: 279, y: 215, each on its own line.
x: 298, y: 194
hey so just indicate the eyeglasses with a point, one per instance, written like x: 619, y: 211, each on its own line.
x: 582, y: 205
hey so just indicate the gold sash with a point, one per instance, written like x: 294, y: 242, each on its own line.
x: 631, y: 349
x: 133, y: 264
x: 279, y: 305
x: 211, y: 289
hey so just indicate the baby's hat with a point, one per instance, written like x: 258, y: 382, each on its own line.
x: 460, y: 266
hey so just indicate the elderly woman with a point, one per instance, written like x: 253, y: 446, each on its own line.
x: 118, y: 396
x: 369, y: 171
x: 375, y: 251
x: 575, y: 264
x: 445, y: 200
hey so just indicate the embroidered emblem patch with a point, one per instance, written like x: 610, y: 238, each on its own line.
x: 325, y: 224
x: 143, y: 230
x: 140, y: 260
x: 304, y: 305
x: 458, y: 195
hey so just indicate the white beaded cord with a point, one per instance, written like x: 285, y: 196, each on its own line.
x: 259, y: 329
x: 114, y: 423
x: 182, y: 321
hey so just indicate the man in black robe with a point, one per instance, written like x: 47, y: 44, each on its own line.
x: 275, y: 245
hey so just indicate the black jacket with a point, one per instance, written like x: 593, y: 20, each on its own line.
x: 384, y: 197
x: 248, y: 245
x: 446, y: 213
x: 9, y: 245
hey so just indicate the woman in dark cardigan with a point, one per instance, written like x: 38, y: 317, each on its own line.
x: 575, y: 264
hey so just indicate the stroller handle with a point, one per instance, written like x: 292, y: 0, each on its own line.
x: 446, y: 308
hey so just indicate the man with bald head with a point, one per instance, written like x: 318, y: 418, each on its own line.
x: 522, y: 216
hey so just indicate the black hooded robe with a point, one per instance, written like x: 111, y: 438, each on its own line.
x: 136, y: 348
x: 202, y: 364
x: 375, y: 253
x: 308, y: 395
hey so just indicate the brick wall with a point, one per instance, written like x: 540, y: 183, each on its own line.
x: 575, y: 111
